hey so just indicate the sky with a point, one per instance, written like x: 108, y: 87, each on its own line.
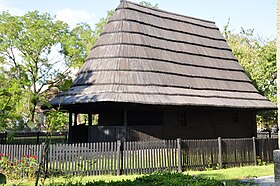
x: 259, y: 15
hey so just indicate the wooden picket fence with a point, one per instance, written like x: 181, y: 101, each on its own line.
x: 116, y: 158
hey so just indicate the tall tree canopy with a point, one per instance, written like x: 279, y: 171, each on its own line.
x: 31, y: 63
x: 258, y: 58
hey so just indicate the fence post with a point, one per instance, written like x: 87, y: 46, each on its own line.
x: 220, y: 158
x: 276, y: 160
x: 41, y: 164
x: 179, y: 154
x: 255, y: 151
x: 119, y: 157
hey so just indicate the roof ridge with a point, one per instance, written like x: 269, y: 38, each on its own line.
x: 168, y: 12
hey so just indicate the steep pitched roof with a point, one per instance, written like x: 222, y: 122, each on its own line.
x: 150, y: 56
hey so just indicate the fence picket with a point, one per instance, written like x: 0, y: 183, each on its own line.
x: 145, y: 157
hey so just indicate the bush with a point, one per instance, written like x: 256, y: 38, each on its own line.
x: 17, y: 169
x: 158, y: 179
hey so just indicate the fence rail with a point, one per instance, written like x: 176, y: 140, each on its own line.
x: 32, y: 138
x: 146, y: 157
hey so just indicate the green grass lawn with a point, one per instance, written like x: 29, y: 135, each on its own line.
x: 223, y: 174
x: 237, y: 173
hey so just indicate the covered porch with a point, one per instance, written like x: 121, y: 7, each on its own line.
x: 121, y: 122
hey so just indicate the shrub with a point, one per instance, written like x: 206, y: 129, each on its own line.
x: 14, y: 169
x: 158, y: 179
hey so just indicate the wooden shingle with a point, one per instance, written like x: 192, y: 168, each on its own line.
x: 151, y: 56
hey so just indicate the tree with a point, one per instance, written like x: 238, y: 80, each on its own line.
x: 77, y: 44
x: 31, y: 62
x: 11, y: 104
x: 148, y: 4
x: 33, y: 37
x: 258, y: 58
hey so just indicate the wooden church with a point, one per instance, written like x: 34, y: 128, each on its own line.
x: 154, y: 74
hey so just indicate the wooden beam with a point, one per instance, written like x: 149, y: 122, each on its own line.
x: 70, y: 119
x: 90, y: 119
x: 75, y: 119
x: 70, y: 127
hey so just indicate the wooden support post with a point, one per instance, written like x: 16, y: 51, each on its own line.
x: 90, y: 119
x: 75, y: 119
x: 220, y: 158
x: 179, y: 155
x: 70, y: 127
x: 254, y: 151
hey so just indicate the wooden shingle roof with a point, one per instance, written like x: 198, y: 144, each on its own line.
x: 150, y: 56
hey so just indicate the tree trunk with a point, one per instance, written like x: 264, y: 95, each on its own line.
x: 278, y: 63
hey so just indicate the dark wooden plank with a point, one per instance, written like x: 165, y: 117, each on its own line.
x: 75, y: 159
x: 133, y: 154
x: 138, y: 151
x: 84, y: 159
x: 156, y: 156
x: 98, y: 147
x: 62, y: 162
x: 124, y: 157
x: 148, y: 158
x: 130, y: 156
x: 103, y: 157
x: 112, y: 158
x: 106, y: 163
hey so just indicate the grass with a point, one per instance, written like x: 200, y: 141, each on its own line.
x: 237, y: 173
x: 233, y: 174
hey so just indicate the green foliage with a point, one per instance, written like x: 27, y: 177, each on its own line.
x: 77, y: 44
x: 158, y: 179
x: 258, y: 58
x: 55, y: 120
x: 99, y: 27
x: 30, y: 63
x: 25, y: 47
x: 3, y: 178
x: 12, y: 108
x: 148, y: 4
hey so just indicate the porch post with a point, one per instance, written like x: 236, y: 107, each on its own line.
x: 75, y: 119
x: 70, y: 127
x: 90, y: 119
